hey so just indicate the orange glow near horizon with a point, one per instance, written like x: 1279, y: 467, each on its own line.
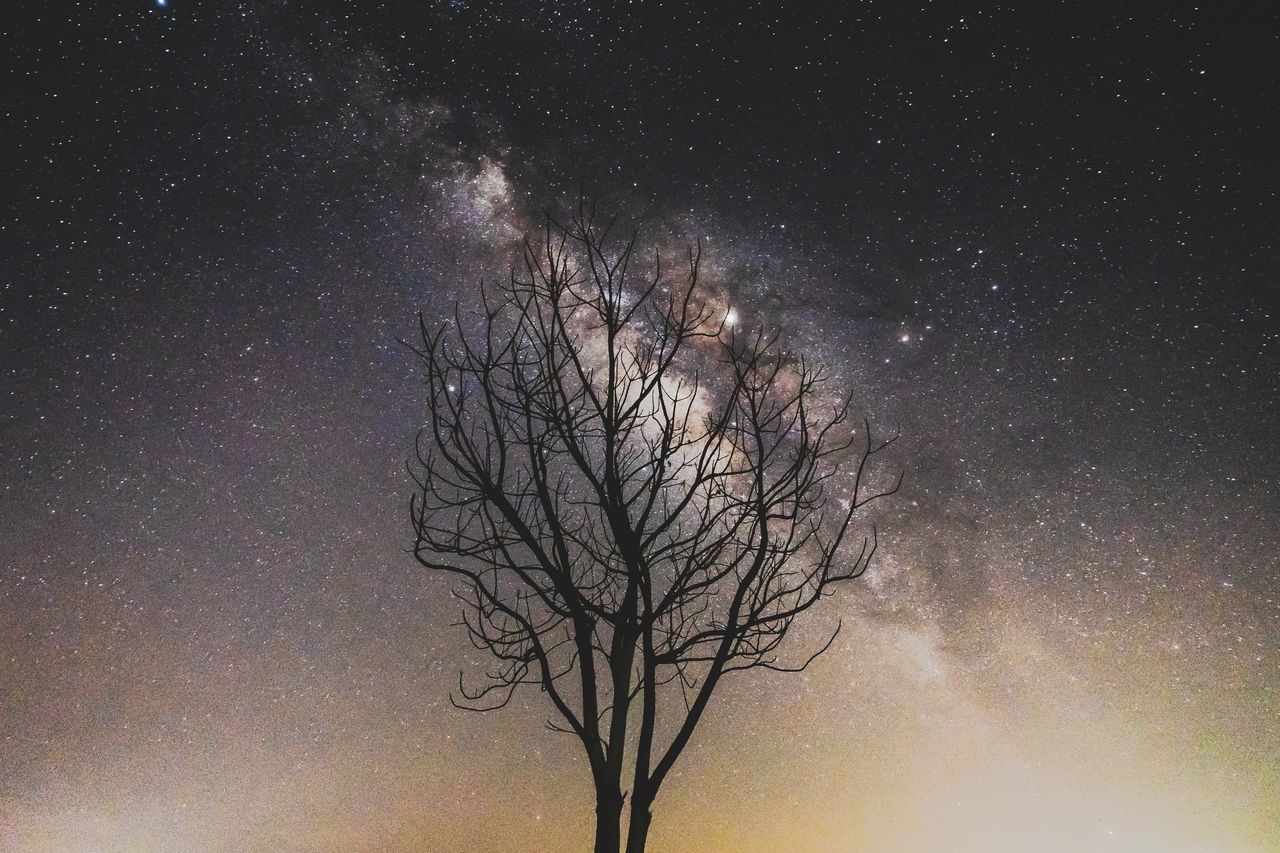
x: 894, y: 741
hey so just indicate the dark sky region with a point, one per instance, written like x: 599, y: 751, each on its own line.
x: 1040, y: 238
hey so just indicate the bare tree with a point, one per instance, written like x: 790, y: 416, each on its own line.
x: 638, y: 496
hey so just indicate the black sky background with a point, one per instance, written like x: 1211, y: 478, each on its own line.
x: 1122, y: 162
x: 1041, y: 239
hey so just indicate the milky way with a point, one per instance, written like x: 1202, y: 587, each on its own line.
x: 1040, y: 246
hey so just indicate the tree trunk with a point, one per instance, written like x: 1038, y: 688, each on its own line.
x: 608, y: 821
x: 641, y: 816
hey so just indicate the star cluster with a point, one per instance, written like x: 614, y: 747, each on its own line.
x: 1039, y: 243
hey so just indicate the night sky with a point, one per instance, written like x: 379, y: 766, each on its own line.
x: 1041, y: 241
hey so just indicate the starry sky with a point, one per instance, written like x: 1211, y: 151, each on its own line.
x: 1041, y: 241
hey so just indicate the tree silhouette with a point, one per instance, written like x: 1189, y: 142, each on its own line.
x: 638, y: 495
